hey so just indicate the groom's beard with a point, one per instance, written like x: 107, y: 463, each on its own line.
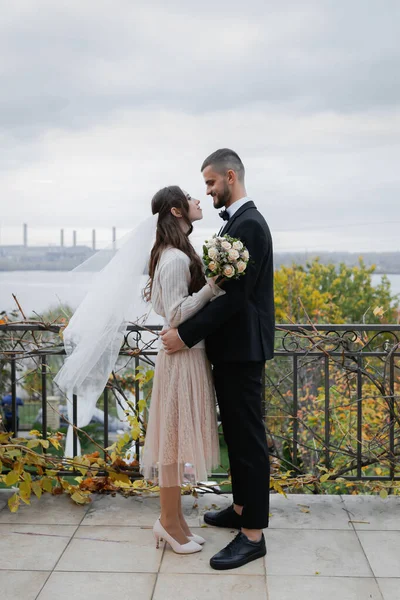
x: 220, y: 200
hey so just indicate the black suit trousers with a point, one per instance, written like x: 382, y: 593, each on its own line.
x: 239, y: 392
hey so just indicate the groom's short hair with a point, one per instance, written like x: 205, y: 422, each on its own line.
x: 224, y: 160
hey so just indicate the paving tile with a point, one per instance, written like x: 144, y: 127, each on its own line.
x: 18, y: 585
x: 131, y: 511
x: 33, y: 547
x: 302, y: 552
x: 383, y: 551
x: 213, y: 587
x: 389, y: 588
x: 213, y: 502
x: 326, y: 588
x: 99, y: 586
x: 49, y: 510
x: 114, y: 549
x: 373, y: 512
x: 216, y: 539
x: 298, y: 511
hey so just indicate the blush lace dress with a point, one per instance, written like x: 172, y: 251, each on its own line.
x: 182, y: 426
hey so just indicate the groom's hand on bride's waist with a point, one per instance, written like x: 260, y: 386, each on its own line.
x: 171, y: 341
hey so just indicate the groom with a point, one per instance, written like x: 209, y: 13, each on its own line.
x: 239, y: 332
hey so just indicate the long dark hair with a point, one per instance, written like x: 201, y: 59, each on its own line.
x: 169, y: 233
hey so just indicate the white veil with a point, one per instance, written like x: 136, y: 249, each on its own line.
x: 95, y: 333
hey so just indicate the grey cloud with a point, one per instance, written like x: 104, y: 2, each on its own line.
x: 69, y: 66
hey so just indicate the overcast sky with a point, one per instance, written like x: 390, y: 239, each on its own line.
x: 103, y: 102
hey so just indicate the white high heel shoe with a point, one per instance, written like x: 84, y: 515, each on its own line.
x: 161, y: 534
x: 196, y: 538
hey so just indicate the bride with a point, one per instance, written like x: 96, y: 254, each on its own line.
x: 182, y: 424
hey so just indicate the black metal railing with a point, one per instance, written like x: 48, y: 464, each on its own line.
x: 308, y: 357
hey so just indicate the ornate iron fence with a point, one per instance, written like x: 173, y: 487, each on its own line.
x: 338, y: 372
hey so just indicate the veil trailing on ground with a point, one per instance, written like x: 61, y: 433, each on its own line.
x: 95, y: 333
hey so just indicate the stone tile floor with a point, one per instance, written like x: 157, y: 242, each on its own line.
x: 319, y: 548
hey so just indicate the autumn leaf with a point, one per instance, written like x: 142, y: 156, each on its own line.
x: 142, y: 404
x: 11, y: 478
x: 25, y: 490
x: 54, y: 442
x: 35, y: 433
x: 383, y: 494
x: 80, y: 498
x: 378, y: 311
x: 47, y: 484
x: 120, y: 478
x: 33, y: 443
x: 37, y: 488
x: 13, y: 503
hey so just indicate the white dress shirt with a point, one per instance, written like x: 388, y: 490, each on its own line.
x: 236, y: 205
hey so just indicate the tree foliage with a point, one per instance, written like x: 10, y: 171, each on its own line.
x: 332, y: 294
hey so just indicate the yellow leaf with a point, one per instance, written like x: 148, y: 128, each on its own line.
x: 55, y: 443
x: 35, y: 432
x: 378, y: 311
x: 13, y: 503
x: 37, y: 488
x: 47, y: 484
x: 1, y: 467
x: 25, y: 490
x: 80, y: 498
x: 11, y: 478
x: 33, y: 443
x: 324, y: 477
x: 139, y: 483
x: 142, y: 404
x: 4, y: 437
x: 383, y: 494
x: 45, y: 443
x: 120, y: 478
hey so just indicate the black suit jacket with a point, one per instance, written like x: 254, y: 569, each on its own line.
x: 240, y: 325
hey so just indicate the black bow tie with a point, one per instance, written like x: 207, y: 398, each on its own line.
x: 224, y: 215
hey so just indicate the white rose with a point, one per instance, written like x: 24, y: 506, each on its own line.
x: 241, y: 266
x: 245, y: 255
x: 226, y: 245
x: 213, y: 266
x: 228, y: 271
x: 233, y: 254
x: 213, y: 253
x: 212, y: 242
x: 238, y: 245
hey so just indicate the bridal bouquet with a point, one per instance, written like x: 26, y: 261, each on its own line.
x: 225, y: 256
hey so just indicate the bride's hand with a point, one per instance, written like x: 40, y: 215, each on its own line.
x: 217, y: 280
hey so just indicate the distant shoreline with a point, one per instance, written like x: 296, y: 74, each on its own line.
x: 386, y: 263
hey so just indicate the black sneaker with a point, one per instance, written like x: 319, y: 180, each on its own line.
x: 238, y: 552
x: 223, y: 518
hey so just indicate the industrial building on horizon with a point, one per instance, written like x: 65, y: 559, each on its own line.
x: 22, y: 257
